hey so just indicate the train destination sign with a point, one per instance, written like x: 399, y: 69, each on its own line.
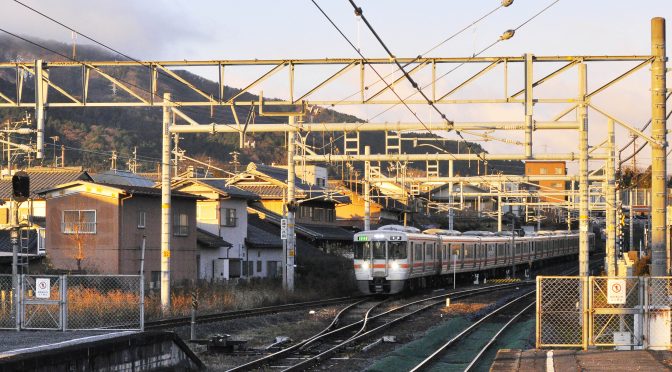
x: 616, y: 291
x: 363, y: 238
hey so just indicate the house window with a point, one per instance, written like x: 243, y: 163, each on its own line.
x: 558, y: 170
x: 229, y: 217
x: 331, y: 215
x: 180, y: 224
x: 317, y: 214
x: 542, y: 170
x: 79, y: 222
x: 259, y: 263
x: 142, y: 218
x: 305, y: 212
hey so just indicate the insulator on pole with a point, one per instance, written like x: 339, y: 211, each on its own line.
x: 507, y: 34
x: 506, y: 3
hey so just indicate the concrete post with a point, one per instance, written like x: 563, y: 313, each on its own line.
x: 529, y: 103
x: 40, y: 99
x: 658, y: 149
x: 291, y: 201
x: 584, y: 213
x: 367, y: 191
x: 611, y: 201
x: 499, y: 209
x: 165, y: 206
x: 451, y: 198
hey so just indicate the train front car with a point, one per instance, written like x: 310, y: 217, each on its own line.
x: 381, y: 260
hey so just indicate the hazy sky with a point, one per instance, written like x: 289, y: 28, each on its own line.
x: 181, y: 29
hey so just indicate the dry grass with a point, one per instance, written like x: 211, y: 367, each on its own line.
x: 463, y: 308
x: 214, y: 298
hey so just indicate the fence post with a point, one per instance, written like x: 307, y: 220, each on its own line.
x: 586, y: 282
x: 538, y: 315
x: 17, y: 298
x: 64, y: 302
x: 644, y: 291
x: 142, y: 302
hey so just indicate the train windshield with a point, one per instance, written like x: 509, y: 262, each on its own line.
x: 397, y: 250
x: 378, y: 250
x: 362, y: 250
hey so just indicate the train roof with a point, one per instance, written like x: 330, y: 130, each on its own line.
x: 442, y: 232
x: 399, y: 228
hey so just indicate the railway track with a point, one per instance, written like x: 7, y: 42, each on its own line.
x: 512, y: 310
x: 237, y: 314
x: 337, y: 337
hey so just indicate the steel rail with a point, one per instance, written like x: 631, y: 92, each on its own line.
x: 438, y: 352
x: 496, y: 336
x: 461, y: 294
x: 237, y: 314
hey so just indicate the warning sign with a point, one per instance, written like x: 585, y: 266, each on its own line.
x: 42, y: 288
x: 616, y: 291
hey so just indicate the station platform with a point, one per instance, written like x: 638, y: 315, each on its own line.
x: 54, y: 350
x: 577, y: 360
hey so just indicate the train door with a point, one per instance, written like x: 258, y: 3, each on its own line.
x: 418, y: 258
x: 429, y: 256
x: 379, y: 258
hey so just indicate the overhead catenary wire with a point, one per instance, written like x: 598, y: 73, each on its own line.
x: 358, y: 11
x: 505, y: 36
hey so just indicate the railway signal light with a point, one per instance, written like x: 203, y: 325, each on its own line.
x: 20, y: 186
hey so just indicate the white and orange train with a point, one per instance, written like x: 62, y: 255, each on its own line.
x: 393, y: 258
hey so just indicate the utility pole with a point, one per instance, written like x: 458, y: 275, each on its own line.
x: 165, y: 206
x: 584, y: 212
x: 290, y: 251
x: 62, y: 156
x: 41, y: 89
x: 658, y: 149
x: 611, y: 201
x: 367, y: 191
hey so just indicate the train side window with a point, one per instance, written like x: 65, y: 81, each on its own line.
x: 429, y: 254
x: 397, y: 250
x: 418, y: 252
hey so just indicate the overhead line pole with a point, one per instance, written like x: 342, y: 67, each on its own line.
x: 659, y: 249
x: 610, y: 173
x: 165, y: 207
x: 584, y: 212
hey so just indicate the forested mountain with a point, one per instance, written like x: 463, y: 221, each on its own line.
x: 90, y: 134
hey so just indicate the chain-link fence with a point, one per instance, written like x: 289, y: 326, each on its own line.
x: 104, y: 302
x: 73, y: 302
x: 7, y: 303
x: 659, y: 298
x: 619, y: 312
x: 559, y: 315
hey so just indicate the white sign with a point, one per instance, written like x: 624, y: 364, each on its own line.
x: 616, y: 291
x: 42, y: 288
x: 283, y: 229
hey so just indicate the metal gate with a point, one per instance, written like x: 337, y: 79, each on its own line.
x: 42, y: 302
x: 621, y: 312
x: 616, y: 324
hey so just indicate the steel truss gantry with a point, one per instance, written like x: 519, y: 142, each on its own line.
x: 366, y: 92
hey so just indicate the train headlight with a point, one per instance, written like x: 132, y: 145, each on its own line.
x: 365, y: 265
x: 394, y: 265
